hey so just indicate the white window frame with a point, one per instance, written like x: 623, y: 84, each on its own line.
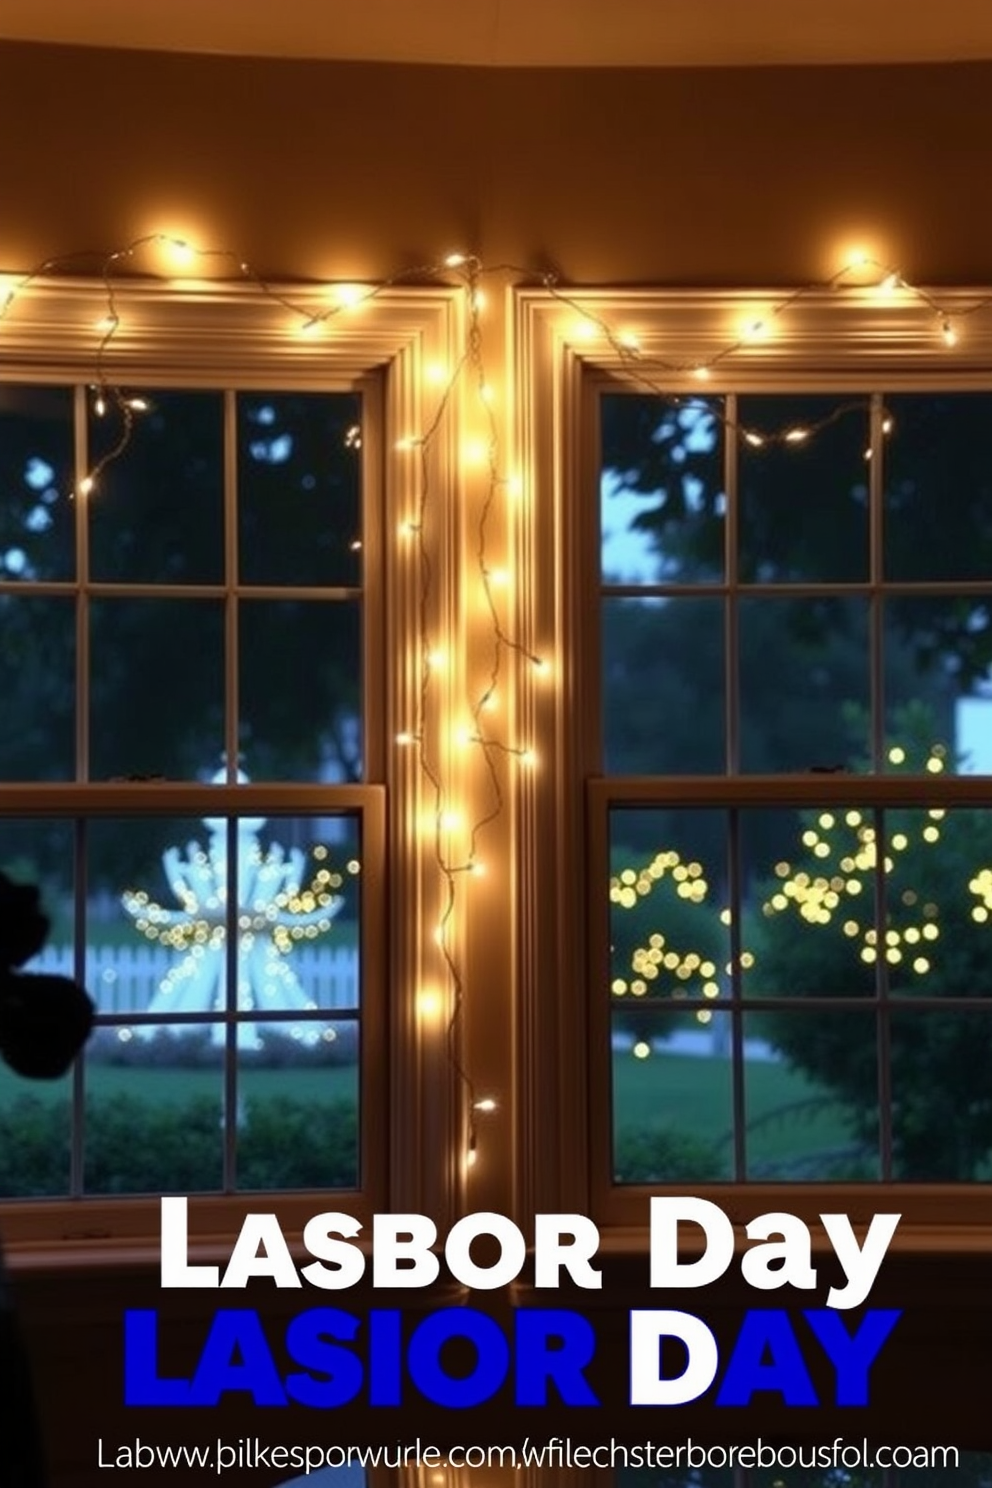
x: 857, y: 340
x: 203, y: 334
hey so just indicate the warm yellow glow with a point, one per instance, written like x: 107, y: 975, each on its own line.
x: 753, y: 439
x: 701, y: 374
x: 475, y: 451
x: 349, y: 295
x: 436, y: 658
x: 455, y: 260
x: 450, y: 820
x: 796, y: 436
x: 514, y: 485
x: 486, y: 1104
x: 310, y: 329
x: 949, y: 334
x: 430, y: 1004
x: 106, y: 324
x: 897, y: 755
x: 755, y: 329
x: 478, y: 300
x: 498, y: 577
x: 435, y: 373
x: 406, y: 738
x: 178, y: 251
x: 641, y: 1050
x: 629, y: 340
x: 86, y: 485
x: 585, y: 330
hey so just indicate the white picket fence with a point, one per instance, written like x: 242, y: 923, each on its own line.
x: 124, y: 979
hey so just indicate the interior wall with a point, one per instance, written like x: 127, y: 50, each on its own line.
x: 715, y: 176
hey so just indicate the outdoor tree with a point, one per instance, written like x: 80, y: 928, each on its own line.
x: 819, y: 934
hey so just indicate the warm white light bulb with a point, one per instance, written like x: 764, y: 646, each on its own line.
x: 348, y: 295
x: 183, y: 254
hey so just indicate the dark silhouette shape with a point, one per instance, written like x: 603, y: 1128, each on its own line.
x: 44, y: 1022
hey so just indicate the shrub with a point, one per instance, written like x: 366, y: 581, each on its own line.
x: 136, y: 1146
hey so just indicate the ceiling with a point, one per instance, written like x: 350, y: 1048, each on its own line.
x: 524, y: 33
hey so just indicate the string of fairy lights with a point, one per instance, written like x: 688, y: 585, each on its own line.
x: 448, y: 821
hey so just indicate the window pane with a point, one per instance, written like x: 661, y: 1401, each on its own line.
x: 34, y: 1136
x: 669, y: 940
x: 811, y: 1096
x: 941, y: 1096
x: 662, y: 493
x: 156, y: 687
x: 37, y: 520
x: 804, y: 683
x: 158, y: 919
x: 803, y: 504
x: 300, y: 689
x: 299, y: 488
x: 809, y: 922
x: 672, y: 1097
x: 38, y: 688
x: 938, y: 488
x: 663, y: 686
x: 938, y: 693
x: 156, y: 512
x: 154, y: 1111
x: 298, y: 1106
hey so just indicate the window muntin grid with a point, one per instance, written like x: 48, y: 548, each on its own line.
x: 698, y: 632
x: 177, y: 572
x: 94, y: 589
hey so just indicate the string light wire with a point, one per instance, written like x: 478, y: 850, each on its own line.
x: 115, y: 269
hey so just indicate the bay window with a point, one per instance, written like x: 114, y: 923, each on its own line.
x: 769, y: 604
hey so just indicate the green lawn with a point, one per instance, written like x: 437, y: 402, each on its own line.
x: 789, y: 1121
x: 177, y: 1086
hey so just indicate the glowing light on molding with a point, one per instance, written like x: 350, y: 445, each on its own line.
x: 490, y: 489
